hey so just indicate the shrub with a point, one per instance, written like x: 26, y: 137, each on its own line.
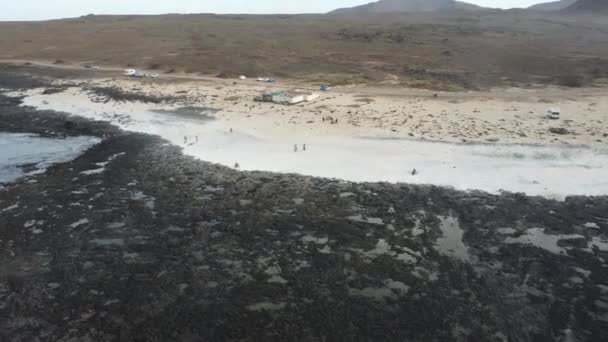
x: 572, y: 81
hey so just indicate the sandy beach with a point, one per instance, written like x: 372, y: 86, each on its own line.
x: 477, y: 141
x: 506, y: 116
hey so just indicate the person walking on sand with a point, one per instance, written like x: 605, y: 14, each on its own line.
x: 304, y: 147
x: 231, y: 131
x: 185, y: 139
x: 414, y: 172
x: 295, y: 147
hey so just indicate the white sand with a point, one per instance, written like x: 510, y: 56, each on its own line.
x: 500, y: 115
x: 553, y: 171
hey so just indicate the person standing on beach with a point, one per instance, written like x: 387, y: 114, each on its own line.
x: 295, y: 147
x: 304, y: 147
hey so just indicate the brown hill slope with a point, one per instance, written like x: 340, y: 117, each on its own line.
x: 423, y: 49
x: 552, y: 6
x: 589, y: 6
x: 413, y: 6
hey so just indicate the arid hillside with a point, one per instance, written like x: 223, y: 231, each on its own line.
x: 589, y: 6
x: 552, y: 6
x: 391, y: 6
x: 437, y: 51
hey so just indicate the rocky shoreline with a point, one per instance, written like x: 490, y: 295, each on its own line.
x: 163, y: 247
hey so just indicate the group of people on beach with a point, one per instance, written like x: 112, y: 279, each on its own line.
x: 186, y: 140
x: 295, y: 149
x: 196, y: 139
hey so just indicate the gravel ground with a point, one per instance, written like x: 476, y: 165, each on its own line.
x: 163, y: 247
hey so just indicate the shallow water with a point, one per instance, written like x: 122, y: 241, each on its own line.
x: 29, y: 154
x: 451, y: 243
x: 550, y: 171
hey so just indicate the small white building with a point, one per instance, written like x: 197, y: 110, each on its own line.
x: 287, y: 97
x: 311, y: 97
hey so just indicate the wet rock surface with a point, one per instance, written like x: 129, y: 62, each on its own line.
x: 161, y: 247
x: 108, y: 94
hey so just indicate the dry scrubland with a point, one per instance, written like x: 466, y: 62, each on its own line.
x: 442, y: 52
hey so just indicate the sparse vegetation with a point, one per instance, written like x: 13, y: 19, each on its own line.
x: 421, y: 50
x: 572, y: 81
x: 337, y: 80
x: 154, y: 66
x: 559, y: 130
x: 106, y: 94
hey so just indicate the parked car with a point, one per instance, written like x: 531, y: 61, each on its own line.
x: 553, y: 113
